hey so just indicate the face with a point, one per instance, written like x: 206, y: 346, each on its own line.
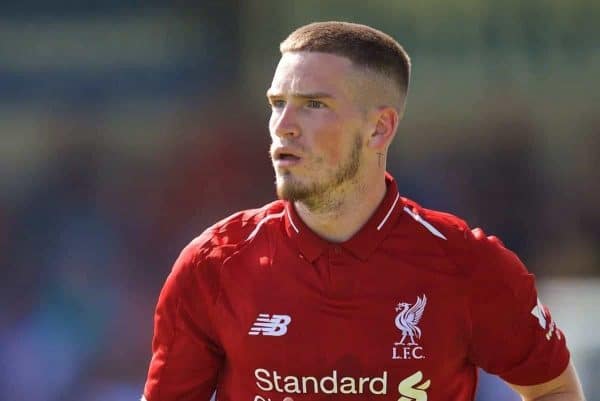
x: 317, y: 126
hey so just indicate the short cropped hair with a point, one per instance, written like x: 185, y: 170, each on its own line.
x: 364, y: 46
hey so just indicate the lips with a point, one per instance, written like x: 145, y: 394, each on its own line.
x: 286, y: 157
x: 285, y: 154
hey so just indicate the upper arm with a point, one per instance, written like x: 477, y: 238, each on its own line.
x: 512, y: 334
x: 566, y: 384
x: 186, y: 357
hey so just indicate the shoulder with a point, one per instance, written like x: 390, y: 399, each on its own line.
x: 197, y: 269
x: 223, y: 238
x: 442, y: 225
x: 473, y: 251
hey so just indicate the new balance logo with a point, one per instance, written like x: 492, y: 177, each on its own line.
x: 270, y: 325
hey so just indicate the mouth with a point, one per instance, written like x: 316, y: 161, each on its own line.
x: 284, y: 157
x: 287, y: 156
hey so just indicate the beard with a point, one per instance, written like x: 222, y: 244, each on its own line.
x: 316, y: 195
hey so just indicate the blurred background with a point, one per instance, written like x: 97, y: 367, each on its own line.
x: 126, y: 130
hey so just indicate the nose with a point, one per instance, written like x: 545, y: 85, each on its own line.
x: 284, y: 122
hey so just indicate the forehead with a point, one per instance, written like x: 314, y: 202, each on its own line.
x: 310, y: 72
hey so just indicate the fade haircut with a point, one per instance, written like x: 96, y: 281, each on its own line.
x: 364, y: 46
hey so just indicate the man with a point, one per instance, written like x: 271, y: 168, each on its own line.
x: 342, y: 289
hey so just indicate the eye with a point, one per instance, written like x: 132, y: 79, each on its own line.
x: 277, y: 103
x: 315, y: 104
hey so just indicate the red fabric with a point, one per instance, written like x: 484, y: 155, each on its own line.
x: 348, y: 307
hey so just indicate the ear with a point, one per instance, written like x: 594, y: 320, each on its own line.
x: 385, y: 128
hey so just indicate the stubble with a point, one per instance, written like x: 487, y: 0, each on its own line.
x: 321, y: 196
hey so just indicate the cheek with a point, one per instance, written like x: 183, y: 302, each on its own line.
x: 333, y: 148
x: 332, y: 145
x: 327, y: 139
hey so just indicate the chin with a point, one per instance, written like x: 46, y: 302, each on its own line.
x: 285, y: 190
x: 288, y: 188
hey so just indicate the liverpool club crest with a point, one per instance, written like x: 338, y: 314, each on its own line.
x: 407, y: 320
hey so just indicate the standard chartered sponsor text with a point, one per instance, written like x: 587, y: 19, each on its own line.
x: 331, y: 384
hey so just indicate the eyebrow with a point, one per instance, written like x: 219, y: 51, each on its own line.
x: 313, y: 95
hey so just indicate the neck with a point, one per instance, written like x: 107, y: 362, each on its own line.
x: 344, y: 211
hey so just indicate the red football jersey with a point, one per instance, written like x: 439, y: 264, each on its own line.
x: 260, y: 308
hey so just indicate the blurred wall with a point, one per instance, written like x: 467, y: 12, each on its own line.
x: 126, y: 130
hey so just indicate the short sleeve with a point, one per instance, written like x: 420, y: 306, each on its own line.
x: 186, y: 357
x: 512, y: 333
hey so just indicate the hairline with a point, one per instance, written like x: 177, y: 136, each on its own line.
x: 359, y: 70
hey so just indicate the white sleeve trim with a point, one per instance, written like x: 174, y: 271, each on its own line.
x: 425, y: 223
x: 263, y: 221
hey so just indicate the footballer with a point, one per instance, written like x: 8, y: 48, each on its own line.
x: 342, y: 289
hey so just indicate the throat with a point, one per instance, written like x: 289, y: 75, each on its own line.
x: 329, y: 221
x: 338, y: 218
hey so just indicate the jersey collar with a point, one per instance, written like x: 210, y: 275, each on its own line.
x: 363, y: 243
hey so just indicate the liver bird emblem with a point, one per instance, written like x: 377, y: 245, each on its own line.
x: 408, y: 317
